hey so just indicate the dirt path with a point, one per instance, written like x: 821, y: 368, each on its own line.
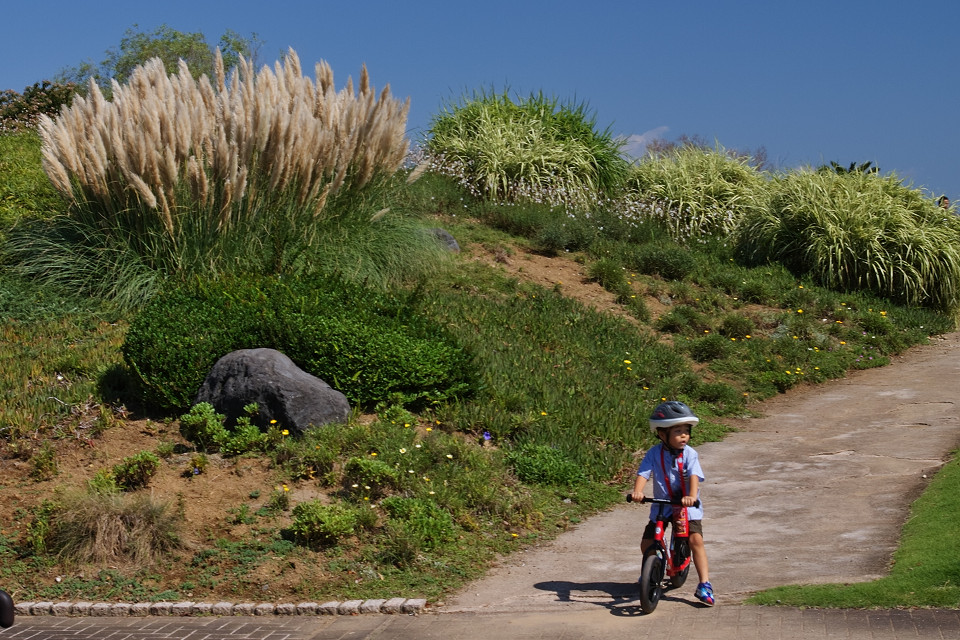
x: 816, y: 490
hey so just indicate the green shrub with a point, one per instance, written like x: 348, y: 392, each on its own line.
x: 542, y: 464
x: 203, y: 427
x: 683, y: 319
x: 370, y: 477
x: 134, y: 472
x: 735, y: 325
x: 669, y: 261
x: 421, y: 519
x: 317, y: 525
x: 365, y: 344
x: 711, y: 346
x: 22, y: 111
x: 43, y: 463
x: 609, y: 274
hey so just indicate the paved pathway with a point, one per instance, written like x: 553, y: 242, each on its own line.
x: 824, y: 481
x: 610, y: 623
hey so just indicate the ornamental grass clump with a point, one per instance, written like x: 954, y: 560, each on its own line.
x: 858, y: 231
x: 529, y: 149
x: 253, y: 170
x: 700, y: 192
x: 170, y: 146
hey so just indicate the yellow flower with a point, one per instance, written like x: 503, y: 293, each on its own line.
x: 543, y: 413
x: 406, y: 424
x: 273, y: 422
x: 842, y: 342
x: 429, y: 429
x: 515, y: 535
x: 450, y: 455
x: 748, y: 335
x: 286, y: 488
x: 799, y: 310
x: 285, y: 432
x: 373, y: 454
x: 627, y: 362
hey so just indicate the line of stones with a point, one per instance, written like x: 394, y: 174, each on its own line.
x: 411, y: 606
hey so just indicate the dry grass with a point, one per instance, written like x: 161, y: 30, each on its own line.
x: 110, y: 528
x: 229, y: 141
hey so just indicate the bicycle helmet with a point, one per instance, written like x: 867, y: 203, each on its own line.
x: 671, y: 413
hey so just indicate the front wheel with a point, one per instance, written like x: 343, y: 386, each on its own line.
x: 651, y: 577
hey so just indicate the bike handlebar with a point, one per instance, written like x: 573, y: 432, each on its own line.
x: 660, y: 501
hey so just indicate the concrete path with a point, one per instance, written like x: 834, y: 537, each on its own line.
x: 814, y: 491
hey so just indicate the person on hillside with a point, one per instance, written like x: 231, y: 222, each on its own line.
x: 675, y: 469
x: 943, y: 202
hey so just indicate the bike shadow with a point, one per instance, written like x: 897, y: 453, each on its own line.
x: 619, y: 598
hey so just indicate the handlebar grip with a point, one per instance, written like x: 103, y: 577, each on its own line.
x: 629, y: 497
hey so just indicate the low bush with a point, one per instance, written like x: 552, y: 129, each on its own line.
x: 669, y: 261
x: 134, y: 472
x: 422, y: 520
x: 367, y: 345
x: 316, y: 524
x: 543, y: 464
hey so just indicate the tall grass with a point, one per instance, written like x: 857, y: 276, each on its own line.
x: 535, y: 149
x: 858, y: 231
x: 262, y: 171
x: 701, y: 192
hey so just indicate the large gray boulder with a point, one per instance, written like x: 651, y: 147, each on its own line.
x: 283, y: 391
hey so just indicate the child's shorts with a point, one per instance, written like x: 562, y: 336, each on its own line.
x: 693, y: 526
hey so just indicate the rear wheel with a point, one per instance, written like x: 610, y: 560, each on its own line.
x: 651, y: 577
x: 6, y: 610
x: 677, y: 579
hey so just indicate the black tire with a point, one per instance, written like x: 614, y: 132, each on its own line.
x: 677, y: 580
x: 651, y: 577
x: 6, y: 610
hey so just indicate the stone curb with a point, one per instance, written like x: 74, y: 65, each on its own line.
x: 395, y: 606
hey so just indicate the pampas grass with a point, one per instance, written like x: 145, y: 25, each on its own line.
x: 253, y: 136
x: 260, y: 171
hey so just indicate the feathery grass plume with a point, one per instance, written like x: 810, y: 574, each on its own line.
x: 187, y: 169
x: 264, y: 132
x: 857, y: 230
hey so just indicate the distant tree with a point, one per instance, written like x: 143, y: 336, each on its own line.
x: 165, y: 43
x: 836, y: 167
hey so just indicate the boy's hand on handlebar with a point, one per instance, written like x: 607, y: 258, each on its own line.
x: 689, y: 501
x: 636, y: 497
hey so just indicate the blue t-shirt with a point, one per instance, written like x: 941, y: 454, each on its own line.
x: 653, y: 464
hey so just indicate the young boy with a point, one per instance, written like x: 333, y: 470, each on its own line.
x: 672, y: 423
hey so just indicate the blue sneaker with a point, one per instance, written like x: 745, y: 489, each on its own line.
x: 704, y: 593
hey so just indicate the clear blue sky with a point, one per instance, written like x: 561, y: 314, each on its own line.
x: 810, y: 81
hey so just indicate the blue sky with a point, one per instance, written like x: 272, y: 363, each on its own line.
x: 810, y: 81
